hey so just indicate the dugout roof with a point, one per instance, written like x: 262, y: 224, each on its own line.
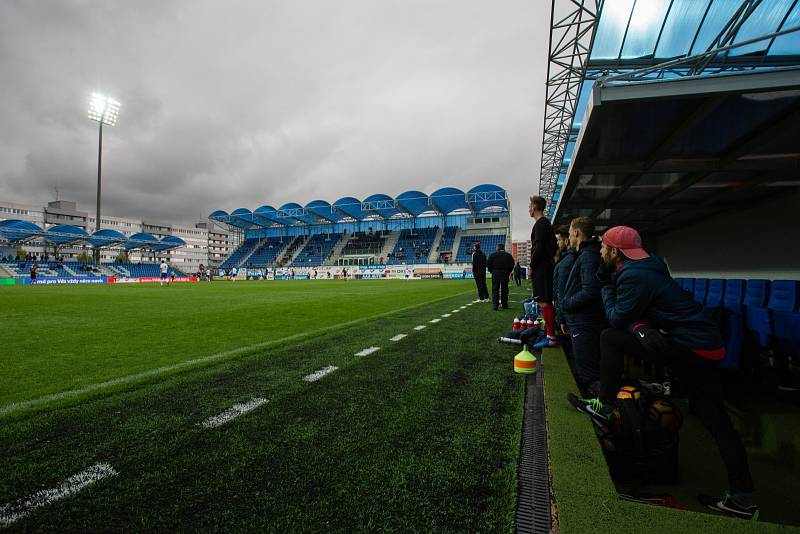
x: 632, y: 41
x: 660, y: 154
x: 482, y: 198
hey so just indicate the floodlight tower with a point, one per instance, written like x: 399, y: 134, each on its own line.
x: 104, y: 110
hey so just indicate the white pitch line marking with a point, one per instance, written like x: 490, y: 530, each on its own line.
x: 205, y: 359
x: 434, y: 320
x: 462, y: 307
x: 368, y: 351
x: 10, y: 513
x: 398, y: 337
x: 445, y: 315
x: 232, y: 413
x: 316, y: 375
x: 420, y: 327
x: 454, y: 311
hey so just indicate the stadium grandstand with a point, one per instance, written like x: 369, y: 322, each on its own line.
x: 412, y: 229
x: 17, y: 233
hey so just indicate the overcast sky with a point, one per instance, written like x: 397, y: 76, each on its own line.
x: 243, y: 103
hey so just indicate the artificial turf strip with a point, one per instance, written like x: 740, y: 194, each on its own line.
x: 421, y: 435
x: 61, y: 338
x: 585, y: 497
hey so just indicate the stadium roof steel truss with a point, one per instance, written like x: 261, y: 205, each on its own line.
x: 482, y: 198
x: 630, y: 40
x: 661, y: 154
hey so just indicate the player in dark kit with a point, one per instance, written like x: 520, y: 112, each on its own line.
x: 543, y: 252
x: 501, y: 265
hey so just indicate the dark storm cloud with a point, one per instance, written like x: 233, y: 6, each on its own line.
x: 228, y: 104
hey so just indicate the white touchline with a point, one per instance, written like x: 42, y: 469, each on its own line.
x: 454, y: 311
x: 445, y: 315
x: 434, y: 320
x: 420, y: 327
x: 316, y: 375
x: 235, y: 411
x: 368, y: 351
x: 204, y: 359
x: 398, y: 337
x: 462, y: 307
x: 13, y: 512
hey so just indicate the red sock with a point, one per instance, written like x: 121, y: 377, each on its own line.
x: 549, y: 316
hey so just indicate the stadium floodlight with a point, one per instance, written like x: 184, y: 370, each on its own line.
x: 104, y: 110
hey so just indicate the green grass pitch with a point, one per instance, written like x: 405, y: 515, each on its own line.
x: 419, y: 435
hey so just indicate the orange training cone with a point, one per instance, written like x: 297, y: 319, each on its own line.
x: 525, y: 362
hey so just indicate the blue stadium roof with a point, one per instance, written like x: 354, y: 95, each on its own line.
x: 411, y: 203
x: 106, y: 237
x: 15, y: 230
x: 63, y: 234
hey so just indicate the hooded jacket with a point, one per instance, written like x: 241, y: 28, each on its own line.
x: 581, y: 302
x: 644, y: 290
x: 560, y: 273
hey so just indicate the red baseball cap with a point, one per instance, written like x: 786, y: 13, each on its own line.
x: 627, y: 240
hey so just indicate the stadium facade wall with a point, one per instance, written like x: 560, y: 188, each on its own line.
x: 751, y: 242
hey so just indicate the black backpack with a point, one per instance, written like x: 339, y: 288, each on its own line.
x: 641, y: 442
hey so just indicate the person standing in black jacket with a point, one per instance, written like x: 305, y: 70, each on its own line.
x: 518, y: 274
x: 501, y: 265
x: 651, y: 316
x: 581, y: 304
x: 479, y: 272
x: 543, y: 252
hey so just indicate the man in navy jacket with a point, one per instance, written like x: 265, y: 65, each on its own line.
x: 581, y: 304
x: 653, y: 317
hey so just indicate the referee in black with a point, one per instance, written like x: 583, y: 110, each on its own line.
x: 479, y: 272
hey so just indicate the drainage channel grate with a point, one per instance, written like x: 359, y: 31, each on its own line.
x: 533, y: 496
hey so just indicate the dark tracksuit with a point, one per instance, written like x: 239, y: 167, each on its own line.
x: 582, y: 308
x: 518, y: 274
x: 643, y: 291
x: 501, y: 265
x: 560, y: 273
x: 479, y: 272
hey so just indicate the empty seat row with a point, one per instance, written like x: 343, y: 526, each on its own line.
x: 769, y: 310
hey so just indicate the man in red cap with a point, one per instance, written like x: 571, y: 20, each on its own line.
x: 653, y: 317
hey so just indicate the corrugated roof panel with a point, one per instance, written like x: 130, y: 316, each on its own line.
x: 788, y: 44
x: 611, y: 29
x: 765, y: 20
x: 646, y: 22
x: 718, y: 16
x: 681, y: 26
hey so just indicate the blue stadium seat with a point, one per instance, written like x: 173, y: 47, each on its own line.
x: 783, y: 301
x: 758, y: 317
x: 716, y: 288
x: 688, y: 284
x: 755, y: 294
x: 787, y: 333
x: 783, y: 296
x: 700, y: 288
x: 734, y: 295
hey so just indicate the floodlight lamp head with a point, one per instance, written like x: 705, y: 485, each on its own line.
x: 103, y: 109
